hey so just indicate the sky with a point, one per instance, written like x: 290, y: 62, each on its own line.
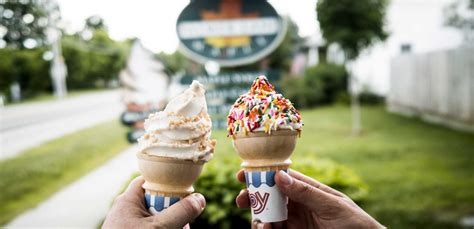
x: 415, y: 22
x: 154, y: 21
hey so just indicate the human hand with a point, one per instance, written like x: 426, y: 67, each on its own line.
x: 312, y: 204
x: 128, y: 210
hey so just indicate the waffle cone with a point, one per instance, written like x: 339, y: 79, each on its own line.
x: 168, y: 176
x: 261, y: 151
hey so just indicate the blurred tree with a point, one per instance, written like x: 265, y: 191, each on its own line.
x: 320, y: 84
x: 92, y: 57
x: 354, y: 26
x: 23, y: 24
x: 24, y: 27
x: 281, y: 58
x: 95, y: 22
x: 173, y: 62
x: 460, y: 14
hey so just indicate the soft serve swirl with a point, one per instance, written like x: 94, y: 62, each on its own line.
x: 182, y: 130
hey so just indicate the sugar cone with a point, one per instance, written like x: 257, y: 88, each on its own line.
x: 168, y: 176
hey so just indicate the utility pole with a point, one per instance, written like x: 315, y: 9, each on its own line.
x: 58, y: 69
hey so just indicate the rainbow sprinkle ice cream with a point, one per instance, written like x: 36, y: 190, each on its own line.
x: 262, y: 109
x: 264, y: 127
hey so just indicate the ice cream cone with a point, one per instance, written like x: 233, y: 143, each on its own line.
x: 264, y: 126
x: 174, y: 148
x: 263, y: 156
x: 170, y: 176
x: 260, y: 150
x: 167, y: 180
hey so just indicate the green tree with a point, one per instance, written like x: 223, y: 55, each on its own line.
x: 23, y: 37
x: 174, y: 62
x: 94, y: 62
x: 24, y: 23
x: 354, y: 26
x: 95, y: 22
x: 459, y: 14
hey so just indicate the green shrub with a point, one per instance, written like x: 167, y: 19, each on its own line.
x: 95, y: 63
x: 6, y: 73
x: 89, y: 65
x: 369, y: 98
x: 333, y: 174
x: 320, y: 84
x: 220, y: 187
x: 26, y: 67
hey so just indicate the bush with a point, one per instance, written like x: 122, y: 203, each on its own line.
x: 320, y: 84
x: 333, y: 174
x: 6, y: 70
x: 95, y: 63
x: 90, y: 65
x: 220, y: 187
x: 26, y: 67
x: 369, y: 98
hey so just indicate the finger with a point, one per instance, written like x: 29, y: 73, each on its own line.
x: 181, y: 213
x: 242, y: 200
x: 304, y: 193
x: 278, y: 225
x: 314, y: 183
x: 240, y: 176
x: 187, y: 226
x: 134, y: 190
x: 260, y: 225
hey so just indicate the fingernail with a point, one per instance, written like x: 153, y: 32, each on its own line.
x: 285, y: 178
x: 200, y: 199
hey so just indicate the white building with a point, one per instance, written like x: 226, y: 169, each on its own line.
x: 416, y: 23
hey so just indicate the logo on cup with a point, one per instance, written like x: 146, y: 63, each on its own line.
x: 258, y: 202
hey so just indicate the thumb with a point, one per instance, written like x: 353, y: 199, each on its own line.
x: 181, y: 213
x: 303, y: 193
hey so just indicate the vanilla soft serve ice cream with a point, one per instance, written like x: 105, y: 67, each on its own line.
x: 182, y: 130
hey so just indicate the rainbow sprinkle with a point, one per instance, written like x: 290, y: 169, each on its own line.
x: 262, y: 109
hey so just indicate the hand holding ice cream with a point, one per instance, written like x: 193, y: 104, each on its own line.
x: 174, y: 148
x: 264, y: 126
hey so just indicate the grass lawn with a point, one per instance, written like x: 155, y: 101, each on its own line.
x: 419, y: 175
x: 33, y: 176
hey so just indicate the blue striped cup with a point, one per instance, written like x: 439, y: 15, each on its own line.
x: 156, y: 203
x: 268, y: 204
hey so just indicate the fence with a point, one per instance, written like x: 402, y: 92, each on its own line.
x: 437, y: 86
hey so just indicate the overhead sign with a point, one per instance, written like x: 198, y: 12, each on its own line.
x: 229, y: 32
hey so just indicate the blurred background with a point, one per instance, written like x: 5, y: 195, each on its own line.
x: 385, y: 89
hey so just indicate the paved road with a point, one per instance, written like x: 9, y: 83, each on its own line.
x: 84, y: 203
x: 28, y: 125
